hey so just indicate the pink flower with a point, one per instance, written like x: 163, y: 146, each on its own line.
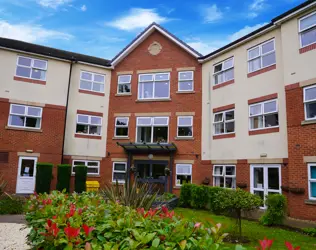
x: 197, y: 225
x: 265, y: 244
x: 87, y: 229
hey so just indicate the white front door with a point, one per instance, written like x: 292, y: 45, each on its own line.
x: 26, y: 175
x: 265, y: 179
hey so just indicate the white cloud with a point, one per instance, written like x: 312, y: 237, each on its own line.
x: 252, y: 15
x: 257, y: 5
x: 244, y: 31
x: 54, y: 4
x: 211, y: 13
x: 137, y: 18
x: 83, y: 8
x: 30, y: 33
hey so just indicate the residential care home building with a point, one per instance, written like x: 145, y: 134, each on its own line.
x: 242, y: 116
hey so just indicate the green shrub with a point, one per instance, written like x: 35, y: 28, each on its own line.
x: 310, y: 231
x: 44, y: 174
x: 212, y: 192
x: 63, y: 177
x: 80, y: 178
x: 276, y: 210
x: 185, y: 195
x: 11, y: 205
x: 199, y: 196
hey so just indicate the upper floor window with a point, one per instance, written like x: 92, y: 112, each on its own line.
x: 31, y: 68
x: 25, y: 116
x: 119, y: 172
x: 224, y: 71
x: 307, y: 29
x: 154, y: 86
x: 87, y: 124
x: 183, y: 174
x: 121, y: 127
x: 264, y: 115
x: 224, y: 176
x: 152, y: 129
x: 224, y: 122
x: 310, y: 102
x: 261, y: 56
x: 124, y: 84
x: 93, y: 166
x: 185, y: 81
x: 185, y: 126
x: 92, y: 81
x: 312, y: 181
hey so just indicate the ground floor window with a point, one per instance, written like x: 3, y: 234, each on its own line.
x: 224, y: 176
x: 312, y: 180
x: 183, y: 174
x: 119, y: 172
x: 93, y: 166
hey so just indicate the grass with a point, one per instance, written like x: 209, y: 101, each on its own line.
x: 253, y: 230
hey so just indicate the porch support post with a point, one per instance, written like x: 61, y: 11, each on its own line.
x: 170, y: 167
x: 129, y: 161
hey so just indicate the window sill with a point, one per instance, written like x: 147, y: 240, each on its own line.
x: 96, y: 137
x: 310, y: 202
x: 91, y: 92
x: 24, y: 129
x: 308, y: 48
x: 22, y: 79
x: 261, y: 71
x: 223, y: 84
x: 185, y: 92
x: 224, y: 136
x: 154, y: 100
x: 177, y: 187
x: 264, y: 131
x: 121, y: 94
x: 307, y: 122
x: 120, y: 138
x: 184, y: 138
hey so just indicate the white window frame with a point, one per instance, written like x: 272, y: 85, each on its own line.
x: 89, y: 124
x: 92, y: 81
x: 26, y: 111
x: 261, y: 55
x: 121, y: 126
x: 178, y: 165
x: 187, y: 80
x: 119, y: 171
x: 300, y: 31
x: 154, y: 81
x: 123, y: 83
x: 31, y: 67
x: 184, y: 126
x: 307, y: 102
x: 310, y: 180
x: 224, y: 174
x: 263, y: 114
x: 86, y: 164
x: 152, y: 127
x: 224, y: 121
x: 223, y: 70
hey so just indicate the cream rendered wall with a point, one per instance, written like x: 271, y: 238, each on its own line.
x: 80, y: 101
x: 54, y: 92
x: 243, y: 146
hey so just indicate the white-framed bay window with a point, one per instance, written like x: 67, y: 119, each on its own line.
x: 185, y: 81
x: 92, y: 81
x: 224, y: 71
x: 154, y: 86
x: 23, y: 116
x: 121, y: 126
x: 224, y: 176
x: 183, y: 174
x: 124, y: 84
x: 264, y: 115
x: 89, y: 124
x: 224, y: 122
x: 31, y: 68
x: 307, y: 29
x: 119, y: 172
x: 93, y: 167
x: 261, y: 56
x: 312, y: 181
x: 185, y: 126
x: 152, y: 129
x: 310, y: 102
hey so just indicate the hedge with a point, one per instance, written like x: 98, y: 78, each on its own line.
x: 80, y: 178
x: 63, y: 177
x: 276, y: 210
x: 44, y: 175
x: 12, y: 205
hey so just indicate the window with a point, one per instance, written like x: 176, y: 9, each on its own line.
x: 31, y: 68
x: 152, y: 129
x: 119, y: 172
x: 307, y: 29
x: 93, y: 166
x: 185, y: 126
x: 224, y: 122
x: 124, y: 84
x: 312, y: 181
x: 264, y: 115
x: 224, y: 176
x: 121, y: 127
x: 224, y: 71
x: 154, y: 86
x: 25, y: 116
x: 310, y: 102
x: 183, y: 174
x: 261, y: 56
x: 92, y: 82
x: 87, y: 124
x: 185, y: 81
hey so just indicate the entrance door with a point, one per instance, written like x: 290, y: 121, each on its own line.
x: 26, y: 175
x: 265, y: 179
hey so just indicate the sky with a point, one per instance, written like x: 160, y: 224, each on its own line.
x: 102, y: 28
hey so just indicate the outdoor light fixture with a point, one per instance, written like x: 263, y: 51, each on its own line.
x: 150, y: 156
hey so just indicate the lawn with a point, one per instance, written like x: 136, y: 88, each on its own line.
x: 253, y: 230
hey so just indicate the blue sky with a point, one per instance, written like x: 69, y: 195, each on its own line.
x: 102, y: 27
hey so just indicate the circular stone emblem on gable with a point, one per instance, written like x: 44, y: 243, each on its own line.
x: 154, y: 48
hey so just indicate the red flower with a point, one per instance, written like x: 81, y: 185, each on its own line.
x: 151, y: 212
x: 71, y: 211
x: 51, y: 228
x: 87, y: 229
x: 47, y: 202
x: 55, y: 229
x: 71, y: 232
x: 291, y: 247
x: 164, y: 209
x: 55, y: 217
x: 265, y: 244
x: 49, y: 223
x: 140, y: 210
x: 80, y: 211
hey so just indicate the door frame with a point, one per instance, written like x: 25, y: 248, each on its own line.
x: 19, y: 170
